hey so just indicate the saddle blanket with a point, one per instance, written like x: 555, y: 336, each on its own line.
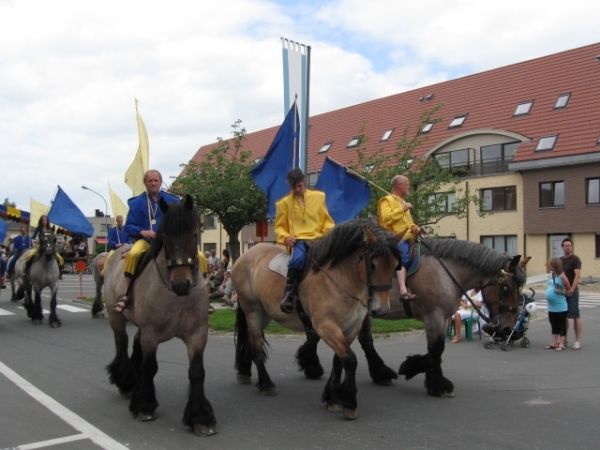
x: 279, y: 264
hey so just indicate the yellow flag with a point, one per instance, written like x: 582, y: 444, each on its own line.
x: 118, y: 207
x: 36, y: 210
x: 134, y: 177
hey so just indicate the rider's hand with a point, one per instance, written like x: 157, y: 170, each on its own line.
x: 290, y: 241
x: 148, y: 234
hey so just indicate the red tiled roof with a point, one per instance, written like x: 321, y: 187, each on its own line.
x: 489, y: 98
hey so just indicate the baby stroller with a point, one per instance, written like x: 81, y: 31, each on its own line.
x: 527, y: 307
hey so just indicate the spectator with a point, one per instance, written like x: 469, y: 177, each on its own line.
x: 557, y: 304
x: 466, y: 311
x: 572, y: 267
x: 214, y: 259
x: 225, y: 258
x: 218, y: 276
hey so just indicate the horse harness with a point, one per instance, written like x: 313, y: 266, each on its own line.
x: 369, y: 271
x: 178, y: 262
x: 505, y: 289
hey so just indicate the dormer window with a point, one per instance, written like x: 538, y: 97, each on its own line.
x: 458, y: 121
x: 353, y: 142
x: 427, y: 128
x: 325, y: 147
x: 546, y: 143
x: 387, y: 135
x: 523, y: 108
x: 562, y: 100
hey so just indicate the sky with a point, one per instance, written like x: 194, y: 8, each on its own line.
x: 71, y: 70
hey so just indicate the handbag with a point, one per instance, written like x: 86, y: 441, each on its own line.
x: 559, y: 289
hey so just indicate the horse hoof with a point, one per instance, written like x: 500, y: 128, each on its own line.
x: 448, y: 395
x: 124, y: 394
x: 37, y: 322
x: 269, y: 392
x: 334, y: 408
x: 350, y: 414
x: 55, y: 325
x: 143, y: 417
x: 204, y: 430
x: 99, y: 315
x: 244, y: 379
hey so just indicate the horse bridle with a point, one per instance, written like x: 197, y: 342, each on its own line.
x: 368, y: 271
x: 178, y: 262
x: 505, y: 288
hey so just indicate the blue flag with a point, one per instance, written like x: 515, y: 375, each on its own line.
x: 346, y: 195
x: 270, y: 173
x: 3, y: 230
x: 66, y: 214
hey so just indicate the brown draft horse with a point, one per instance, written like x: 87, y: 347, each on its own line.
x: 472, y: 265
x: 348, y: 276
x: 169, y: 300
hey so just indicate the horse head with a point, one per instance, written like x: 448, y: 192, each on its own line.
x: 178, y: 236
x: 381, y: 258
x: 502, y: 295
x: 47, y: 243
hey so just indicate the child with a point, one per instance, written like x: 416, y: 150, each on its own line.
x: 557, y: 304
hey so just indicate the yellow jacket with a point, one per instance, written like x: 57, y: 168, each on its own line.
x: 392, y: 216
x: 307, y: 223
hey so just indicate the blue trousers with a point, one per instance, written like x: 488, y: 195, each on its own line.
x: 298, y: 256
x: 404, y: 253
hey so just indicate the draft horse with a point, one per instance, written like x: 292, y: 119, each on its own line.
x: 43, y: 273
x: 348, y: 276
x: 168, y: 300
x: 448, y: 268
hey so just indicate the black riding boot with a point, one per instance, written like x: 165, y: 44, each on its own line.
x: 291, y: 290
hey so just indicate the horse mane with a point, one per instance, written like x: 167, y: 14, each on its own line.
x: 177, y: 220
x: 477, y: 256
x: 348, y: 237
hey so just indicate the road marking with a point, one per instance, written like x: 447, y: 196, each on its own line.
x: 42, y: 444
x: 68, y: 416
x: 73, y: 309
x: 4, y: 312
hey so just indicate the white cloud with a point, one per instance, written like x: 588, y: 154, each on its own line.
x: 70, y: 72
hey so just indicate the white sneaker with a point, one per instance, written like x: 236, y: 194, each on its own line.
x: 576, y: 345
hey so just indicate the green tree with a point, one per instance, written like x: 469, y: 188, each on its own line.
x: 220, y: 184
x: 432, y: 184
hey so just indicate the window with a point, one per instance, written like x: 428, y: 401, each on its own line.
x: 387, y: 135
x: 523, y: 108
x: 443, y: 201
x: 103, y: 228
x: 369, y: 168
x: 592, y: 191
x: 562, y: 100
x: 312, y: 178
x: 496, y: 158
x: 499, y: 199
x: 325, y: 147
x: 552, y: 194
x: 457, y: 121
x: 598, y: 246
x: 457, y: 161
x: 546, y: 143
x: 427, y: 128
x: 507, y: 243
x: 353, y: 142
x: 209, y: 246
x: 210, y: 222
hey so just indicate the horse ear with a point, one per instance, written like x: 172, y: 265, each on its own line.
x: 514, y: 263
x: 399, y: 236
x: 163, y: 205
x: 525, y: 261
x: 188, y: 202
x: 370, y: 237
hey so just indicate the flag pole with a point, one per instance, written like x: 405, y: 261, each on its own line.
x: 360, y: 176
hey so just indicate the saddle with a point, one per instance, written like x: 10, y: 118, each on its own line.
x: 415, y: 257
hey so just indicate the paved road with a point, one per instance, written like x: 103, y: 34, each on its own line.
x: 53, y: 389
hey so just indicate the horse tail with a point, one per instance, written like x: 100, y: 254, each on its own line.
x: 243, y: 352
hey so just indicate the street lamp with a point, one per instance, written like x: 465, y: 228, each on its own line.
x: 105, y: 211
